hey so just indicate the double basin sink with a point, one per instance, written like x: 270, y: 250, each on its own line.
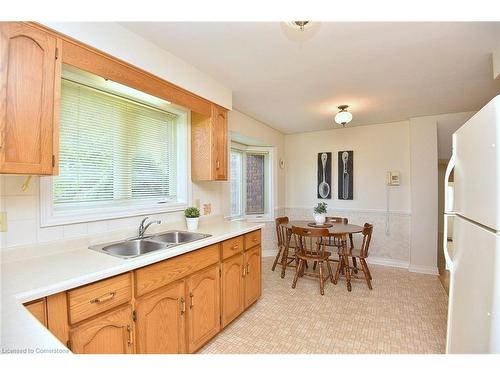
x: 139, y: 246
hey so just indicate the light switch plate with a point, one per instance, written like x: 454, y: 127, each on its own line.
x: 3, y: 221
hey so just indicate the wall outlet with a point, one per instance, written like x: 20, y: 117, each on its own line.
x: 3, y: 221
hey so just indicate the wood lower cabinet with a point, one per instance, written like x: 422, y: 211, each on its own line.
x: 30, y: 81
x: 111, y: 333
x: 160, y: 324
x: 233, y: 288
x: 252, y: 275
x: 170, y: 307
x: 203, y: 293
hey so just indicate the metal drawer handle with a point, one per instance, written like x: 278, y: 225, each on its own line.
x: 243, y: 270
x: 192, y: 300
x: 217, y: 164
x: 235, y: 247
x: 248, y: 268
x: 104, y: 298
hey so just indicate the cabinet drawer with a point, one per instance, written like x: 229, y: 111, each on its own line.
x: 100, y: 296
x: 252, y: 239
x: 163, y: 273
x: 232, y: 246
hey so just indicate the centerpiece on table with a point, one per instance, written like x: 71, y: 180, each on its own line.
x: 320, y: 213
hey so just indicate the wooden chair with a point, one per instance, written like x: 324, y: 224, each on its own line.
x: 310, y: 246
x: 336, y: 241
x: 281, y: 233
x: 361, y: 254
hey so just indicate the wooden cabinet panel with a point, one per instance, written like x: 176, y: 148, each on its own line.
x: 98, y: 297
x: 233, y: 288
x: 203, y: 290
x: 219, y: 119
x: 111, y: 333
x: 252, y: 239
x: 28, y: 70
x: 209, y: 150
x: 160, y: 323
x: 163, y: 273
x: 57, y: 316
x: 39, y: 310
x: 232, y: 247
x: 252, y: 275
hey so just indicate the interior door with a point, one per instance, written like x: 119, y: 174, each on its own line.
x: 474, y: 300
x: 253, y: 275
x: 233, y: 288
x: 111, y: 333
x: 203, y: 307
x: 160, y: 321
x: 27, y: 77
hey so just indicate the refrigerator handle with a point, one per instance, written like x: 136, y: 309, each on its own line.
x: 449, y: 169
x: 447, y: 257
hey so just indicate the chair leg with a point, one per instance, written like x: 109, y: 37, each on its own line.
x: 355, y: 265
x: 277, y: 258
x: 314, y: 265
x: 330, y: 273
x: 297, y: 271
x: 340, y: 266
x: 369, y: 273
x: 321, y: 280
x: 366, y: 272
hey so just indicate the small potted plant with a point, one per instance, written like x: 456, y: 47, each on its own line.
x: 319, y: 213
x: 192, y: 217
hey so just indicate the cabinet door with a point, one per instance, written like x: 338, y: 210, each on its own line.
x: 253, y: 275
x: 111, y: 333
x: 27, y: 77
x: 233, y: 288
x: 204, y: 307
x: 219, y: 119
x: 160, y: 321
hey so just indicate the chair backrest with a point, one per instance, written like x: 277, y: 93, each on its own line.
x: 281, y: 230
x: 310, y: 241
x: 367, y: 236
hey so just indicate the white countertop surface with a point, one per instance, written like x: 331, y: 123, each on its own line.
x: 27, y: 279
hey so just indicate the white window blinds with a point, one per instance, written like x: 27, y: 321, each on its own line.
x: 113, y: 150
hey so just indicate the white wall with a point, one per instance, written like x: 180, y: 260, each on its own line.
x: 120, y: 42
x: 424, y: 194
x: 377, y: 149
x: 446, y: 126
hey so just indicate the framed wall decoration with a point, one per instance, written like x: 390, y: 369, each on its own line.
x: 345, y: 173
x: 324, y: 187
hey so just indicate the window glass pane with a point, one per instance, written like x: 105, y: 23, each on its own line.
x: 236, y: 183
x: 113, y: 150
x: 255, y: 188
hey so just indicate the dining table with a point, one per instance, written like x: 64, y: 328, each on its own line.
x: 342, y: 231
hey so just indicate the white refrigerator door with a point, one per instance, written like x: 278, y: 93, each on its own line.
x: 474, y: 300
x: 476, y: 149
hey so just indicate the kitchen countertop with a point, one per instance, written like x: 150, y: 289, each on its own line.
x: 25, y: 280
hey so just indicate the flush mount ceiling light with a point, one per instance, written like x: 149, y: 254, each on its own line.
x: 344, y: 116
x: 300, y: 25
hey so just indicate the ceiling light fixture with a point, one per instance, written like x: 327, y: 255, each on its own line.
x: 301, y: 25
x: 344, y: 116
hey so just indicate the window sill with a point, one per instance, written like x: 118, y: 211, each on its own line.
x: 265, y: 219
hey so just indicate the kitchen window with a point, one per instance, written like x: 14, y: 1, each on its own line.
x: 119, y: 153
x: 251, y: 182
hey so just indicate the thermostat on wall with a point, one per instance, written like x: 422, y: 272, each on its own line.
x: 393, y: 178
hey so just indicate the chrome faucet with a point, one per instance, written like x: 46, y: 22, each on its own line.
x: 143, y: 228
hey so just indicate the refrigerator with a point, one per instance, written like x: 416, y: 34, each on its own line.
x: 471, y: 234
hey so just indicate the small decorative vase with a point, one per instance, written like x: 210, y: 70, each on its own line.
x: 319, y: 219
x: 192, y: 223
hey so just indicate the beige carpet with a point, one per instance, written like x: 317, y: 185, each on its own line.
x: 404, y: 313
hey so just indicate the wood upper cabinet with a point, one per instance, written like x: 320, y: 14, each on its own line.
x: 252, y: 275
x: 29, y: 97
x: 209, y: 145
x: 203, y: 309
x: 160, y: 324
x: 110, y: 333
x: 233, y: 288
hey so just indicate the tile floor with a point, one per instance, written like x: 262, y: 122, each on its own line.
x: 404, y: 313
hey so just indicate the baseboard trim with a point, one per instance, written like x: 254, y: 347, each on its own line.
x: 388, y: 262
x: 424, y: 269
